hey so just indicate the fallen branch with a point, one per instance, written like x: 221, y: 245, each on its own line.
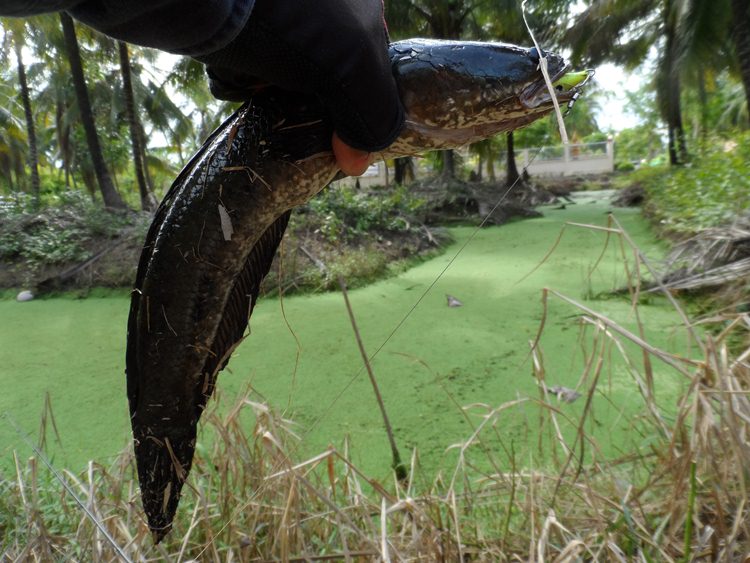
x: 53, y: 282
x: 315, y: 260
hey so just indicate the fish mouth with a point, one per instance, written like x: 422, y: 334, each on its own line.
x: 535, y: 100
x: 567, y: 86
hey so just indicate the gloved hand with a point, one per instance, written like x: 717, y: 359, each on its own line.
x: 335, y: 49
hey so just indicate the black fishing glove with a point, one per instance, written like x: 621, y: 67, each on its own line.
x: 335, y: 49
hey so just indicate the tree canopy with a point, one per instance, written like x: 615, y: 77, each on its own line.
x: 147, y: 121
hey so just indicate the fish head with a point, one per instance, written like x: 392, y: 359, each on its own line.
x: 456, y: 93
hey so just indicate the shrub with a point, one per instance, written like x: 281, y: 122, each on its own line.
x: 710, y: 191
x: 343, y: 213
x: 57, y: 234
x: 624, y: 166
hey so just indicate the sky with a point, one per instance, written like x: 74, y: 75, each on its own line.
x: 615, y: 80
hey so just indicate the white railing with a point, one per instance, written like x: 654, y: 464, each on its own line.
x: 375, y: 175
x: 568, y: 160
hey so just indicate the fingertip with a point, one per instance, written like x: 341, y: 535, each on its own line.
x: 351, y: 161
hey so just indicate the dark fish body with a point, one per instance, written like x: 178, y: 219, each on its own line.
x: 215, y: 233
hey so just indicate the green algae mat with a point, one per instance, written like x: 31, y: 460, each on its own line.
x: 439, y: 372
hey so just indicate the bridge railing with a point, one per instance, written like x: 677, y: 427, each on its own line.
x: 568, y: 160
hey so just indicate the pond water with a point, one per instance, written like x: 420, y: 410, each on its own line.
x: 438, y: 360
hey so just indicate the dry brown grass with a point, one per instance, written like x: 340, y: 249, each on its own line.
x: 713, y: 258
x: 682, y: 498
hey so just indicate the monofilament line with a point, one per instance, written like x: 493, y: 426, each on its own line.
x: 424, y: 294
x: 547, y: 80
x: 340, y: 394
x: 90, y: 515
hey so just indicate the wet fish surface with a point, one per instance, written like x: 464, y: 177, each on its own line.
x: 215, y: 234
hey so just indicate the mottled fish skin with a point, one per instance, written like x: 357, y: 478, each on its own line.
x: 195, y: 290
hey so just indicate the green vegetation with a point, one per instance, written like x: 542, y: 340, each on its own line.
x: 32, y: 240
x: 362, y: 235
x: 694, y: 90
x: 710, y: 192
x: 344, y: 213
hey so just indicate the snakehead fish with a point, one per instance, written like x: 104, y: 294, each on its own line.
x: 215, y: 233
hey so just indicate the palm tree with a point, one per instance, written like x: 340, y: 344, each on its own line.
x: 668, y: 84
x: 110, y: 196
x: 147, y: 199
x: 17, y: 34
x: 403, y: 170
x: 14, y: 43
x: 741, y: 35
x: 12, y: 150
x: 689, y: 34
x: 54, y: 97
x: 442, y: 19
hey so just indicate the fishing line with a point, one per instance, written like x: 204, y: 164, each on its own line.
x: 340, y: 394
x: 563, y: 135
x: 298, y: 344
x: 421, y: 298
x: 90, y: 515
x: 547, y: 79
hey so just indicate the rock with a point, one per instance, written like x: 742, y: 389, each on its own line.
x: 24, y: 295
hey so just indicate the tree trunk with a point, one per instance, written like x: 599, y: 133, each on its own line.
x: 511, y: 171
x: 677, y: 147
x: 147, y: 199
x: 30, y: 130
x: 671, y: 91
x: 110, y: 196
x: 146, y: 171
x: 62, y: 134
x: 448, y: 172
x: 703, y: 99
x: 491, y: 168
x: 403, y: 170
x: 89, y: 180
x: 676, y: 119
x: 741, y: 36
x: 673, y: 160
x: 490, y: 158
x: 11, y: 184
x: 446, y: 21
